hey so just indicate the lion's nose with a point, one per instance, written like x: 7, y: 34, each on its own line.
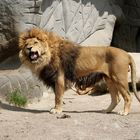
x: 29, y: 48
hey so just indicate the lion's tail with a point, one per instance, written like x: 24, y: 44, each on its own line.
x: 133, y: 77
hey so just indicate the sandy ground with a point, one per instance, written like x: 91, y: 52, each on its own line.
x: 85, y: 121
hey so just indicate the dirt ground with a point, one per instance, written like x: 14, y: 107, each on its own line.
x: 84, y: 120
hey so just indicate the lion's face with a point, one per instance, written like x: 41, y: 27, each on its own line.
x: 34, y: 50
x: 38, y: 48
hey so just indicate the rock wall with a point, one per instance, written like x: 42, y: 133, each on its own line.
x: 79, y: 21
x: 16, y: 16
x: 87, y: 22
x: 127, y: 29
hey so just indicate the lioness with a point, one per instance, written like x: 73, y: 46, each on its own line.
x: 56, y: 60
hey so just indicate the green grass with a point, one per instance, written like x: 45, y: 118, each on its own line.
x: 16, y: 98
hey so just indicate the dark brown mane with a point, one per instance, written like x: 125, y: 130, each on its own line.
x: 49, y: 75
x: 66, y: 56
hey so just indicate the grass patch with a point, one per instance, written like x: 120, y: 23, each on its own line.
x: 16, y: 98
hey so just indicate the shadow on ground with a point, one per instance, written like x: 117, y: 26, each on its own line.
x: 14, y: 108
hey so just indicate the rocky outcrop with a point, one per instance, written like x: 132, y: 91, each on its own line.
x: 20, y: 80
x: 16, y: 16
x: 75, y: 20
x: 127, y: 29
x: 87, y: 22
x: 83, y: 22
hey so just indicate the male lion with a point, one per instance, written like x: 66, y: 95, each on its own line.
x: 57, y: 61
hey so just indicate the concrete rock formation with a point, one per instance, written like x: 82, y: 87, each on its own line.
x: 87, y: 22
x: 127, y: 29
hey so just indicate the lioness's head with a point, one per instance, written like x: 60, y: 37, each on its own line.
x: 34, y: 46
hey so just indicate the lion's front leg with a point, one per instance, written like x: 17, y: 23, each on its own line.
x: 59, y: 92
x: 58, y: 102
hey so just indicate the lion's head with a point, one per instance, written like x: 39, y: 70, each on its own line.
x: 37, y: 47
x: 34, y: 46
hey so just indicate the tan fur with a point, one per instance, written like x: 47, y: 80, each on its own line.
x: 113, y: 62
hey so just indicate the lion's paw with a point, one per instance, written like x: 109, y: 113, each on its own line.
x: 122, y: 113
x: 55, y: 111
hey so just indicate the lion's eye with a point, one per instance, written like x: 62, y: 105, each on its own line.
x: 26, y: 44
x: 35, y: 42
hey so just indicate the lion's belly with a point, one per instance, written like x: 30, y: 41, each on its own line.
x: 91, y: 60
x: 86, y: 67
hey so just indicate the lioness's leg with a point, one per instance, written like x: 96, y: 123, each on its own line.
x: 115, y: 99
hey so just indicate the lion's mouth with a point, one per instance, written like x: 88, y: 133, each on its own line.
x: 33, y: 56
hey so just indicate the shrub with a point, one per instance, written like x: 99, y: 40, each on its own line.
x: 17, y: 98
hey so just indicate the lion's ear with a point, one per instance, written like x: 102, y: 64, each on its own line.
x: 53, y: 37
x: 22, y: 37
x: 54, y: 40
x: 42, y: 37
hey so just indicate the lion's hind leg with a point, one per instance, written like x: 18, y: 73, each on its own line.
x: 123, y: 88
x: 115, y: 99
